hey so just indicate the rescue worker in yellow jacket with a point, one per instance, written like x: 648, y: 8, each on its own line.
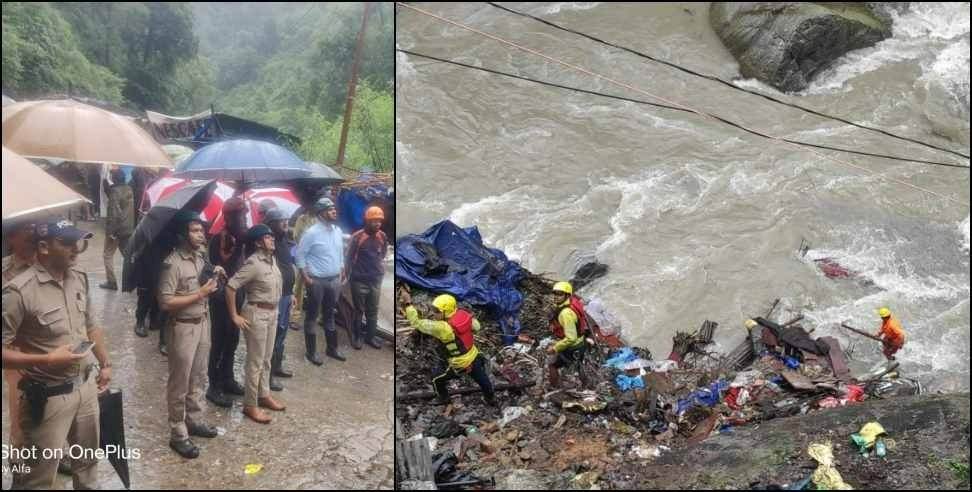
x: 454, y: 328
x: 569, y: 326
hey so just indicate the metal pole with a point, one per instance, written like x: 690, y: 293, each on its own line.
x: 351, y: 85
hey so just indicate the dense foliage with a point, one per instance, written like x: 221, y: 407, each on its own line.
x: 285, y: 65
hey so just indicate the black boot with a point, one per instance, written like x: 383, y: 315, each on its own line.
x: 231, y: 387
x: 109, y: 286
x: 140, y: 329
x: 185, y: 448
x: 274, y: 384
x: 370, y: 337
x: 311, y: 342
x: 276, y: 367
x: 332, y: 346
x: 218, y: 398
x: 163, y: 349
x: 356, y: 339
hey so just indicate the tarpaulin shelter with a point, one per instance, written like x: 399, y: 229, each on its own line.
x: 449, y: 259
x: 209, y: 126
x: 356, y: 196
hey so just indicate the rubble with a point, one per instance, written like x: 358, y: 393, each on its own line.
x: 573, y: 438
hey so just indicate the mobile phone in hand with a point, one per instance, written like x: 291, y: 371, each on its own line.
x: 82, y: 347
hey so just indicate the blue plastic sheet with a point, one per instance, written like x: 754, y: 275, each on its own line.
x: 620, y: 358
x: 352, y: 203
x: 703, y: 396
x: 626, y: 383
x: 449, y: 259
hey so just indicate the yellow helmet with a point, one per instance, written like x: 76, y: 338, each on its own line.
x: 750, y: 324
x: 884, y: 312
x: 445, y: 303
x: 564, y: 287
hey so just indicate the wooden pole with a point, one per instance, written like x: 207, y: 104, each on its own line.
x: 863, y: 333
x: 351, y: 85
x: 428, y: 395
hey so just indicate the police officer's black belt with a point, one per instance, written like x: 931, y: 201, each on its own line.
x: 191, y: 321
x: 263, y: 305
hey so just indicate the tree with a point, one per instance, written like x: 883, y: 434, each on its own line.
x: 41, y: 55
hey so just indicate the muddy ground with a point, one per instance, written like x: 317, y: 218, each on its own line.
x: 337, y: 431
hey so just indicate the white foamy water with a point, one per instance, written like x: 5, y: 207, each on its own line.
x: 569, y: 6
x: 695, y: 220
x: 964, y: 229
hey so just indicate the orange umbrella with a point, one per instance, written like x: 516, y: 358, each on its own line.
x: 27, y: 189
x: 69, y: 130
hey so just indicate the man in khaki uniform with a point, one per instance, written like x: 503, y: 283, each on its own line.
x: 187, y: 330
x: 261, y: 278
x: 118, y: 225
x: 47, y: 314
x: 21, y: 241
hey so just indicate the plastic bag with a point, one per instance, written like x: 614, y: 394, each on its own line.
x: 626, y: 383
x: 826, y: 477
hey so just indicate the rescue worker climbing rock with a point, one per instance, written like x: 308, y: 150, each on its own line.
x: 455, y: 329
x: 891, y: 332
x: 569, y: 325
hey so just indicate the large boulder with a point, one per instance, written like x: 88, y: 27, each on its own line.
x: 785, y: 44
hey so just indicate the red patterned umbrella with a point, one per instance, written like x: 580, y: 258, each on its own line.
x: 281, y: 198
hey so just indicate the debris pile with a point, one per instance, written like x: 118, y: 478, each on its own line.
x: 637, y: 410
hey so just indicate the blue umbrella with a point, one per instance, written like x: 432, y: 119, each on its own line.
x: 244, y: 161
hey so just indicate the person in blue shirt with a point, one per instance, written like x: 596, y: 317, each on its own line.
x: 320, y: 259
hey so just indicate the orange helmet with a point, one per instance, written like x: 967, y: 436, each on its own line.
x: 374, y: 213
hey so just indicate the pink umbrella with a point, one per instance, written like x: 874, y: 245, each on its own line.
x: 281, y: 198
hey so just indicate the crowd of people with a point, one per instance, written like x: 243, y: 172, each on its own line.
x: 200, y: 293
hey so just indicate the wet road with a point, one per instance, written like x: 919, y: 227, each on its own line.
x: 336, y: 431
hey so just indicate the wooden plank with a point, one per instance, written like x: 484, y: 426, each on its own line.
x: 797, y: 380
x: 837, y: 360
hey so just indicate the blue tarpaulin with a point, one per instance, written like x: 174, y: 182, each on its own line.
x: 449, y: 259
x: 352, y: 203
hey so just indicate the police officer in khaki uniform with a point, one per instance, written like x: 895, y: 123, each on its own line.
x: 47, y: 315
x: 20, y: 237
x: 187, y: 330
x: 261, y: 279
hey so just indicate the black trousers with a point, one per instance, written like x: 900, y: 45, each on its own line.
x: 147, y: 306
x: 477, y: 370
x: 366, y: 296
x: 225, y: 338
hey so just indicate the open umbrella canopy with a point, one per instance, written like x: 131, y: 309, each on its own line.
x: 243, y: 161
x: 255, y: 198
x: 155, y: 225
x: 70, y: 130
x: 27, y: 189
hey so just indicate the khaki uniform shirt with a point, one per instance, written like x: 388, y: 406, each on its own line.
x: 41, y: 314
x: 260, y: 277
x: 13, y: 266
x: 180, y: 277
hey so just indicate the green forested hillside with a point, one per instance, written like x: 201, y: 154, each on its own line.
x: 282, y: 64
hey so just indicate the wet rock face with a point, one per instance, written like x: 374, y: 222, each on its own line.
x: 786, y: 44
